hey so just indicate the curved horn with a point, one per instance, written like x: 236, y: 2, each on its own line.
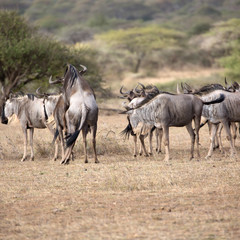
x: 178, y: 90
x: 136, y: 89
x: 141, y: 85
x: 38, y: 92
x: 225, y: 80
x: 123, y: 92
x: 84, y: 70
x: 60, y: 80
x: 187, y: 87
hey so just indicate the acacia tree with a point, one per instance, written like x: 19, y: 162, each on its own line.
x: 27, y: 56
x: 142, y: 41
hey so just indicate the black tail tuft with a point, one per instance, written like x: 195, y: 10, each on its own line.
x: 202, y: 124
x: 218, y: 100
x: 127, y: 131
x: 72, y: 138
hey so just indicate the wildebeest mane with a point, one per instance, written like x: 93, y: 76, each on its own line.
x: 209, y: 88
x: 150, y: 97
x: 70, y: 75
x: 31, y: 96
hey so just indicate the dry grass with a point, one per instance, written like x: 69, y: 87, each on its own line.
x: 122, y: 197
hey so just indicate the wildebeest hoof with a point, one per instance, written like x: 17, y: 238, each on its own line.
x: 23, y: 159
x: 86, y: 161
x: 96, y: 161
x: 66, y: 161
x: 207, y: 157
x: 135, y: 155
x: 146, y: 155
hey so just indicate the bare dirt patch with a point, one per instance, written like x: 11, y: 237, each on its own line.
x: 122, y: 197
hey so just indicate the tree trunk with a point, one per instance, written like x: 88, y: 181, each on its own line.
x: 139, y: 61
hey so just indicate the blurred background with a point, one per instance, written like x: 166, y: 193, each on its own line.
x: 163, y: 42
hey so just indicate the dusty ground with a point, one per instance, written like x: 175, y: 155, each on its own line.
x: 122, y: 197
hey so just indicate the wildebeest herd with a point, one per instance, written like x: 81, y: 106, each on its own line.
x: 148, y: 110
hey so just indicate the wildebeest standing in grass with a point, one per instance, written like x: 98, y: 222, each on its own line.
x: 166, y: 110
x: 32, y: 112
x: 139, y: 129
x: 225, y: 113
x: 81, y: 111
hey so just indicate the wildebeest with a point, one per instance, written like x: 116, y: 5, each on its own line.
x: 81, y: 111
x: 225, y: 113
x: 139, y: 129
x: 32, y: 112
x: 166, y: 110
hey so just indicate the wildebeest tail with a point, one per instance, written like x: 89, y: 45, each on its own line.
x: 202, y: 124
x: 127, y: 131
x: 73, y: 137
x: 218, y: 100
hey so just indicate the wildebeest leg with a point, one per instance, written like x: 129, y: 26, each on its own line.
x: 229, y: 137
x: 234, y: 132
x: 166, y: 142
x: 192, y: 135
x: 135, y: 145
x: 67, y: 154
x: 218, y: 137
x: 219, y: 132
x: 197, y: 121
x: 62, y: 143
x: 140, y: 147
x: 216, y: 140
x: 84, y: 135
x: 56, y: 151
x: 150, y: 134
x: 159, y: 135
x: 94, y: 132
x: 212, y: 137
x: 31, y: 142
x: 25, y: 139
x: 141, y: 137
x: 49, y: 126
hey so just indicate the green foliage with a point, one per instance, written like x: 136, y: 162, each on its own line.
x: 209, y: 11
x: 232, y: 62
x: 27, y: 56
x: 143, y: 40
x: 200, y: 28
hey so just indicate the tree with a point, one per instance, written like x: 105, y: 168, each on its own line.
x: 232, y: 62
x: 27, y: 56
x: 142, y: 41
x: 24, y: 54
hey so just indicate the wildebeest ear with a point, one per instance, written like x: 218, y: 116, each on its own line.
x: 131, y: 94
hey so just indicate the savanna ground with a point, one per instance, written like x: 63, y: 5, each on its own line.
x: 122, y: 197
